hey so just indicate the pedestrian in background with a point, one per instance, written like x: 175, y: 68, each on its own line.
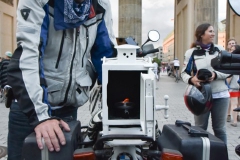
x: 3, y: 74
x: 155, y: 70
x: 176, y: 65
x: 0, y: 66
x: 168, y: 68
x: 1, y: 60
x: 3, y: 69
x: 230, y: 43
x: 234, y: 92
x: 230, y: 46
x: 199, y: 57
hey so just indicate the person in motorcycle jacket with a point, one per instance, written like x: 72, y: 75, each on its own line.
x: 176, y: 64
x: 47, y: 73
x: 199, y: 57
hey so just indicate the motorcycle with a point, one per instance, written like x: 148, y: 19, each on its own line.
x: 123, y: 124
x: 127, y: 128
x: 127, y: 106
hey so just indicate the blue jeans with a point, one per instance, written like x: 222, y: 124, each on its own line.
x: 19, y: 128
x: 219, y: 115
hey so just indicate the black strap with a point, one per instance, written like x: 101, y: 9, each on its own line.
x: 51, y: 3
x: 43, y: 82
x: 79, y: 90
x: 95, y: 4
x: 192, y: 132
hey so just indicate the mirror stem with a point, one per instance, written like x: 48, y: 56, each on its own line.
x: 145, y: 43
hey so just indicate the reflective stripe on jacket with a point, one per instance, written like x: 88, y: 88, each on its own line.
x: 202, y: 59
x: 48, y: 67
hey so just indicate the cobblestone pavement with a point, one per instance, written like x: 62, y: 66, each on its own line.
x: 177, y: 110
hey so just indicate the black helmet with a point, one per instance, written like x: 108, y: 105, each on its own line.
x: 198, y: 100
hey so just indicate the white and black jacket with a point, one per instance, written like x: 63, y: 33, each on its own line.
x: 48, y: 68
x: 197, y: 58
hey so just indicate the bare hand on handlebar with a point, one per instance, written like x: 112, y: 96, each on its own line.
x: 51, y: 132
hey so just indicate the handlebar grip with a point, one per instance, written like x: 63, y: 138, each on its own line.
x: 150, y: 51
x: 235, y: 58
x: 227, y: 57
x: 144, y: 53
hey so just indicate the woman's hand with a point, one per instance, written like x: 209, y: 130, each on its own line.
x: 195, y: 81
x: 213, y: 76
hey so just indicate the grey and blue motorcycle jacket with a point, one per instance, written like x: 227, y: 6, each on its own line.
x: 197, y: 58
x: 48, y: 68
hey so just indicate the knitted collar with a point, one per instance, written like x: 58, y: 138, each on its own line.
x: 203, y: 46
x: 212, y: 49
x: 69, y: 14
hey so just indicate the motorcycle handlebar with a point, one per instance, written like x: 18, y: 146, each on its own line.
x: 230, y: 58
x: 227, y: 63
x: 235, y: 58
x: 144, y: 53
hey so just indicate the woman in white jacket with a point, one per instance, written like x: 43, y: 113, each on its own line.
x: 199, y: 57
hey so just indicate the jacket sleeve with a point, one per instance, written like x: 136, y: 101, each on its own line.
x: 105, y: 39
x: 187, y: 67
x: 220, y: 75
x: 24, y: 72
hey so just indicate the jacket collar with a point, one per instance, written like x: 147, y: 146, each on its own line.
x: 202, y: 51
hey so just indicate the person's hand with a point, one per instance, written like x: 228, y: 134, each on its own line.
x: 51, y: 132
x: 213, y: 76
x: 195, y: 81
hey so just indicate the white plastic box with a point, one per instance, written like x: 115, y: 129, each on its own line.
x: 128, y: 77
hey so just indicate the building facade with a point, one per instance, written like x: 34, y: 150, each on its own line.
x: 188, y: 15
x: 186, y: 20
x: 168, y: 47
x: 168, y: 42
x: 7, y: 25
x: 130, y: 19
x: 232, y: 25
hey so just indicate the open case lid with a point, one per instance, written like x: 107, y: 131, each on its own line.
x: 147, y: 103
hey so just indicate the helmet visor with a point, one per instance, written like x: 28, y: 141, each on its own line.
x: 192, y: 91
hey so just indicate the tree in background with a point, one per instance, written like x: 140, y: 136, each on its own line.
x: 158, y: 61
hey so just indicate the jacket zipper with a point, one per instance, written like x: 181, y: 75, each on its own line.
x: 70, y: 75
x: 87, y: 36
x: 61, y: 47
